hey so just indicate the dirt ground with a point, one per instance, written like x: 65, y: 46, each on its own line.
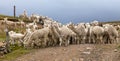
x: 82, y: 52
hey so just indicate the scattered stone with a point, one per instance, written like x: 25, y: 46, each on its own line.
x: 88, y: 48
x: 70, y: 60
x: 64, y: 49
x: 2, y: 44
x: 115, y: 50
x: 86, y: 52
x: 80, y: 50
x: 81, y: 59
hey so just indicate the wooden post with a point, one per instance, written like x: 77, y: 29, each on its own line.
x: 14, y: 11
x: 7, y: 36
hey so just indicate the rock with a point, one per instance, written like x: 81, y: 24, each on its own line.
x: 115, y: 50
x: 64, y: 49
x: 70, y: 60
x: 88, y: 48
x: 86, y: 52
x: 81, y: 59
x: 2, y: 44
x: 80, y: 50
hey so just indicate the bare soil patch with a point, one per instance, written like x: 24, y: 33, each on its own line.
x: 82, y: 52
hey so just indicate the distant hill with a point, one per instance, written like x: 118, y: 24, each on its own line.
x: 117, y: 22
x: 11, y: 18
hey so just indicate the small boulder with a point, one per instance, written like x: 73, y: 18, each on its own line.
x: 115, y: 50
x: 86, y: 52
x: 88, y: 48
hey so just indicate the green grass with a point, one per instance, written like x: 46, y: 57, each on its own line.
x: 2, y: 36
x: 3, y: 16
x: 16, y: 52
x: 118, y: 47
x: 2, y: 39
x: 11, y: 18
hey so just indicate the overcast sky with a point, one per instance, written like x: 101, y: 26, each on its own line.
x: 66, y: 10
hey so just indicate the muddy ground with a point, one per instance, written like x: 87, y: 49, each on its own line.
x: 82, y: 52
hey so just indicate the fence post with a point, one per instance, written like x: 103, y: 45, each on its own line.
x: 7, y: 36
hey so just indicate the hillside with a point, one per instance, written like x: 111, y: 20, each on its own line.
x: 57, y: 53
x: 9, y: 17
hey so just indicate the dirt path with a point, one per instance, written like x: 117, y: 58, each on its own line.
x: 81, y: 52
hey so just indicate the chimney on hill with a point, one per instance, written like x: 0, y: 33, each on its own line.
x: 14, y: 11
